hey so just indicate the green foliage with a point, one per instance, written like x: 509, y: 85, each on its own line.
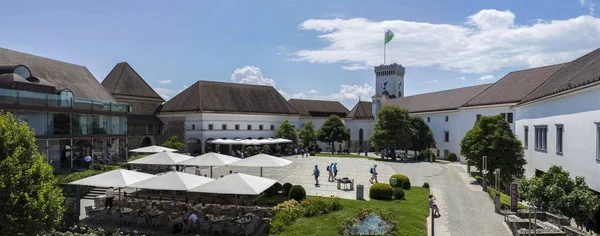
x: 333, y: 130
x: 278, y: 149
x: 400, y: 179
x: 104, y: 168
x: 266, y: 148
x: 249, y: 150
x: 286, y: 188
x: 319, y: 206
x: 272, y: 191
x: 393, y: 129
x: 422, y: 136
x: 556, y: 192
x: 504, y: 199
x: 452, y: 157
x: 87, y: 231
x: 68, y: 178
x: 287, y: 131
x: 308, y: 133
x: 174, y: 143
x: 424, y: 156
x: 381, y: 191
x: 425, y: 185
x: 289, y: 211
x: 31, y: 199
x: 133, y: 158
x: 300, y: 145
x: 398, y: 193
x: 492, y: 136
x: 297, y: 193
x: 406, y: 184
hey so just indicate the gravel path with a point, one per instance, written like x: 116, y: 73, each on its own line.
x: 465, y: 209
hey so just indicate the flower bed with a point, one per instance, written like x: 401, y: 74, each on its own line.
x: 368, y: 223
x: 289, y: 211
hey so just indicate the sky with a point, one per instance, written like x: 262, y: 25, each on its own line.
x: 309, y: 49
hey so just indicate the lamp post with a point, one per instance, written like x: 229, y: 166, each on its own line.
x: 430, y: 154
x: 484, y: 173
x: 497, y: 196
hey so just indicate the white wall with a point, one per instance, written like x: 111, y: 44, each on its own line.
x: 577, y: 112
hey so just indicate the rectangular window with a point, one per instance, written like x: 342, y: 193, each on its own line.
x: 224, y: 126
x: 446, y: 118
x: 237, y: 127
x: 272, y: 127
x: 598, y: 141
x: 210, y: 127
x: 446, y: 136
x: 260, y: 127
x: 249, y: 127
x: 559, y: 139
x: 438, y: 152
x: 509, y: 118
x: 193, y: 127
x: 541, y: 138
x: 428, y: 119
x: 503, y: 116
x: 478, y: 117
x: 526, y: 136
x: 149, y: 129
x: 446, y: 153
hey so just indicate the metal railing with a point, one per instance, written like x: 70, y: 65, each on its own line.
x: 53, y: 100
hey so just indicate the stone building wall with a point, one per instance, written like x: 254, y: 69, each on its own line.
x: 143, y: 108
x: 172, y: 126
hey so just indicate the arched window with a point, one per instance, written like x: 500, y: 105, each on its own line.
x: 399, y: 94
x: 360, y: 138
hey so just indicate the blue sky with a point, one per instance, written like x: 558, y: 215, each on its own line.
x: 305, y: 48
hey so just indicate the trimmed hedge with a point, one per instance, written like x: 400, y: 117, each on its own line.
x: 398, y: 193
x: 425, y: 185
x: 286, y: 188
x: 297, y: 193
x: 272, y: 191
x: 452, y: 157
x: 406, y: 184
x: 381, y: 191
x: 400, y: 179
x: 68, y: 178
x: 424, y: 156
x: 102, y: 167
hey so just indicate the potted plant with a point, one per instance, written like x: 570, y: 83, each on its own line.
x: 278, y: 150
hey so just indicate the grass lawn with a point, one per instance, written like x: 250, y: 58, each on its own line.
x: 339, y: 155
x: 410, y: 215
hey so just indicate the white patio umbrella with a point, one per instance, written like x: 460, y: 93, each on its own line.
x: 237, y: 184
x: 251, y: 142
x: 162, y: 158
x: 282, y: 140
x: 210, y: 159
x: 175, y: 181
x: 262, y: 160
x: 153, y: 149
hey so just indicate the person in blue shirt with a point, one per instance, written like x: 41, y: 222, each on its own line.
x: 373, y: 174
x: 335, y: 170
x: 316, y: 173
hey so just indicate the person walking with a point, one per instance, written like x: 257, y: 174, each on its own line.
x: 197, y: 172
x: 330, y: 170
x: 373, y: 174
x: 335, y: 171
x: 110, y: 196
x: 316, y: 173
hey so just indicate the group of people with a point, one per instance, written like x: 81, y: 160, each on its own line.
x: 332, y: 169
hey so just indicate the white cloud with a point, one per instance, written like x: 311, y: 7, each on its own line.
x: 487, y: 41
x: 251, y: 75
x: 486, y: 77
x: 433, y: 81
x: 299, y: 95
x: 312, y: 91
x: 350, y: 92
x: 164, y: 81
x: 591, y: 8
x: 582, y: 2
x: 462, y: 78
x: 284, y: 94
x: 165, y: 93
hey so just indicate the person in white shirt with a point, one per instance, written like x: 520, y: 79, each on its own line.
x: 110, y: 196
x: 192, y: 219
x: 197, y: 170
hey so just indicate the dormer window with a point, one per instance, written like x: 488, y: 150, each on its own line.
x: 22, y: 71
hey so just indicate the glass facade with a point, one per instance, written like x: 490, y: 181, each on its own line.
x: 66, y: 99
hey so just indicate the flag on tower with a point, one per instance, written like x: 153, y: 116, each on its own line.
x: 389, y: 35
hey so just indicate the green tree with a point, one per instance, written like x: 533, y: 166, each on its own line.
x: 308, y: 134
x: 491, y: 136
x: 422, y: 137
x: 556, y: 192
x: 287, y: 131
x: 392, y: 130
x: 333, y: 130
x: 174, y: 143
x: 31, y: 199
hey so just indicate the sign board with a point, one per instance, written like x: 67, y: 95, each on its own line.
x: 514, y: 197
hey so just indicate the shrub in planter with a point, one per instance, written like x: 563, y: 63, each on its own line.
x: 452, y: 157
x: 286, y: 188
x: 266, y: 148
x: 400, y: 178
x: 424, y: 156
x: 300, y: 144
x: 278, y: 149
x: 102, y: 167
x: 381, y: 191
x: 406, y: 184
x: 297, y: 193
x: 398, y: 193
x: 425, y: 185
x: 250, y: 150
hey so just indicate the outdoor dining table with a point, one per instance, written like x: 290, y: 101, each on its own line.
x: 124, y: 211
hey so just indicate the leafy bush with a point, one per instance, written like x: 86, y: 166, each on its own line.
x: 250, y: 150
x: 381, y: 191
x: 297, y: 193
x: 272, y: 191
x: 398, y: 193
x: 425, y: 185
x: 86, y: 230
x: 286, y: 188
x: 406, y: 184
x: 266, y: 148
x: 452, y: 157
x: 424, y: 156
x: 289, y: 211
x: 102, y: 167
x: 300, y: 144
x: 400, y: 179
x: 278, y: 149
x: 68, y: 178
x: 319, y: 206
x: 133, y: 158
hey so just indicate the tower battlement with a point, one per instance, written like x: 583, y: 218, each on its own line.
x: 390, y: 67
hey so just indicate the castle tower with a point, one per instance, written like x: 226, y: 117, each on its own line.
x: 389, y: 81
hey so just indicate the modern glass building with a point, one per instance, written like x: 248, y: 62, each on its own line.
x: 70, y: 113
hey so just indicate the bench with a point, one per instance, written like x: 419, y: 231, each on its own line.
x: 345, y: 182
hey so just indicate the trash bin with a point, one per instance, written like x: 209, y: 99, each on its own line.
x: 360, y: 192
x: 394, y: 182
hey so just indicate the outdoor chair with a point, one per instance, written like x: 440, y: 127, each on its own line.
x: 140, y: 221
x: 171, y: 223
x: 88, y: 211
x: 205, y: 227
x: 247, y: 229
x: 159, y: 220
x: 190, y: 227
x: 129, y: 219
x: 217, y: 228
